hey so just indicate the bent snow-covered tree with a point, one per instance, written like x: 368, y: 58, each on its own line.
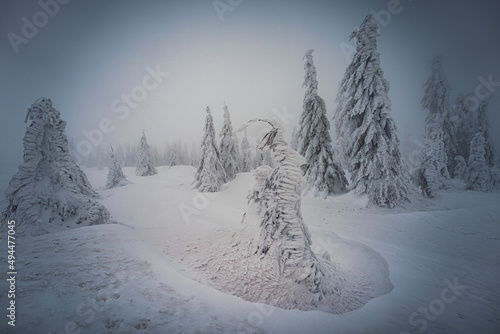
x: 116, y: 178
x: 145, y: 165
x: 50, y: 192
x: 365, y: 127
x: 283, y: 235
x: 210, y: 175
x: 229, y: 151
x: 313, y: 139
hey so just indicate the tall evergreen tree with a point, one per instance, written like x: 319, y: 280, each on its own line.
x: 460, y: 168
x: 436, y: 101
x: 313, y: 139
x: 465, y: 124
x: 478, y: 174
x: 186, y: 160
x: 116, y: 178
x: 194, y: 156
x: 50, y: 192
x: 120, y: 155
x: 432, y: 174
x: 293, y: 143
x: 210, y: 175
x: 364, y: 125
x: 145, y: 165
x: 247, y: 161
x: 229, y: 152
x: 484, y: 125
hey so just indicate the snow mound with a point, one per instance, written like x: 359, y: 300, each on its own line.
x: 227, y: 261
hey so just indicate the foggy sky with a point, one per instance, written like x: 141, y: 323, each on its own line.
x: 91, y: 54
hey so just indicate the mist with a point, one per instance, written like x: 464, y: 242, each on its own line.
x: 115, y: 68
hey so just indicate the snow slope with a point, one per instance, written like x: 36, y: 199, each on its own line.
x: 142, y: 275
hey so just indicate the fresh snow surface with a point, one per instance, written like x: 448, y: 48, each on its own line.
x: 146, y: 275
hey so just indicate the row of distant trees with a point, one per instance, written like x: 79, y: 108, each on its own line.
x: 457, y: 141
x: 173, y: 154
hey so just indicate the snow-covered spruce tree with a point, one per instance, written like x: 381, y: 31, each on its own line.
x: 246, y: 160
x: 365, y: 127
x: 229, y: 152
x: 433, y: 172
x: 436, y: 101
x: 465, y: 124
x: 294, y: 142
x: 194, y: 156
x: 145, y: 165
x: 116, y: 178
x: 484, y: 124
x: 50, y: 192
x: 460, y: 168
x: 313, y: 139
x: 173, y: 157
x: 210, y: 175
x: 478, y: 173
x: 186, y: 160
x: 283, y: 235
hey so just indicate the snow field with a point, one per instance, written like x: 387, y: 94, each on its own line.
x: 143, y: 275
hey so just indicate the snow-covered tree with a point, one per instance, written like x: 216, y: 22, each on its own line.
x: 460, y: 168
x: 173, y: 155
x: 185, y: 158
x: 495, y: 175
x: 247, y: 160
x: 484, y: 123
x: 130, y: 156
x: 294, y: 142
x: 155, y: 155
x: 259, y: 156
x: 365, y: 127
x: 260, y: 194
x: 283, y: 235
x: 478, y: 174
x: 50, y: 192
x: 116, y: 178
x: 145, y: 165
x: 100, y: 158
x: 194, y: 156
x: 120, y: 155
x: 436, y: 101
x: 433, y: 172
x: 210, y: 175
x: 465, y: 124
x: 313, y: 139
x: 229, y: 152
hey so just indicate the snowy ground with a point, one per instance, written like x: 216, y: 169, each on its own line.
x: 144, y: 275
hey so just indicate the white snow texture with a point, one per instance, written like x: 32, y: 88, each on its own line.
x: 50, y: 192
x: 365, y: 127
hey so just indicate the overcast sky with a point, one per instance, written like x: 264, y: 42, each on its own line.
x: 88, y: 56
